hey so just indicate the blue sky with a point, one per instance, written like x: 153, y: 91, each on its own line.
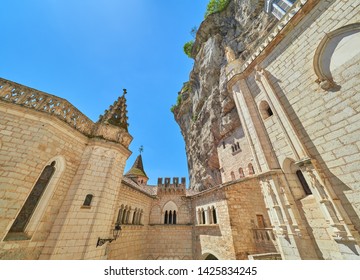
x: 87, y: 51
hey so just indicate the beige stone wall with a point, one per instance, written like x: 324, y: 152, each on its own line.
x: 132, y: 243
x: 30, y: 141
x: 169, y: 242
x: 321, y: 124
x: 80, y: 227
x: 245, y: 203
x: 215, y: 239
x: 231, y: 161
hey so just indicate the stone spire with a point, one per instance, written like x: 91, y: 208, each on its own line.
x: 117, y: 113
x: 136, y: 172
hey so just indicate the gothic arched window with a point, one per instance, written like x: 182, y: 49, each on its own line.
x: 251, y: 169
x: 166, y: 217
x: 33, y: 199
x: 241, y: 173
x: 174, y: 217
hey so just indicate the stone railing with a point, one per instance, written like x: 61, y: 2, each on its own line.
x: 31, y: 98
x: 263, y: 234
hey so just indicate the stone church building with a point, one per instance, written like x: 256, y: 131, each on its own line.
x: 284, y: 183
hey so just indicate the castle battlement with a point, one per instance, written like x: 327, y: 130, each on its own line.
x: 175, y: 186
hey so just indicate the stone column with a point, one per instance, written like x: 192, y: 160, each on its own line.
x: 254, y: 130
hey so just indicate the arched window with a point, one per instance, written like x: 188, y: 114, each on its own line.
x: 241, y: 173
x: 303, y: 182
x: 199, y: 217
x: 232, y: 175
x: 33, y: 199
x: 336, y: 50
x: 120, y: 214
x: 140, y: 217
x: 166, y: 217
x: 123, y: 219
x: 134, y: 216
x: 265, y: 110
x: 251, y: 169
x: 213, y: 210
x: 174, y: 217
x: 203, y: 220
x: 88, y: 199
x: 127, y: 220
x: 170, y: 209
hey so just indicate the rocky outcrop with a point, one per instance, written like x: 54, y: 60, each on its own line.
x: 207, y: 112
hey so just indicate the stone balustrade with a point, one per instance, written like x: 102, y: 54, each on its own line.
x: 263, y: 234
x: 44, y: 102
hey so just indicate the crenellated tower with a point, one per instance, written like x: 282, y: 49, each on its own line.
x: 175, y: 187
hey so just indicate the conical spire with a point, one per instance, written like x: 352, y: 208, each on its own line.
x: 117, y: 113
x: 137, y: 170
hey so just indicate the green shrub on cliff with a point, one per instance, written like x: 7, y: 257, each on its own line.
x: 188, y: 47
x: 216, y: 6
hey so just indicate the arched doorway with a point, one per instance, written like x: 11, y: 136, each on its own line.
x: 209, y: 257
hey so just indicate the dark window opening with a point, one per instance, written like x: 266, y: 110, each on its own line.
x: 214, y: 215
x: 166, y: 217
x: 174, y: 218
x: 88, y: 199
x: 303, y: 182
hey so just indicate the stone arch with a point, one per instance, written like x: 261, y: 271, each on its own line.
x: 170, y: 206
x: 209, y: 256
x: 168, y: 212
x: 334, y: 50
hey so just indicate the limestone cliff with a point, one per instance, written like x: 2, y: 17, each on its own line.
x: 207, y: 111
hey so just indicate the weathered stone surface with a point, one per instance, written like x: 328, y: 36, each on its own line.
x: 208, y: 114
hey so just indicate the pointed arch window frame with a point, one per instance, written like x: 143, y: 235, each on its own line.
x: 39, y: 211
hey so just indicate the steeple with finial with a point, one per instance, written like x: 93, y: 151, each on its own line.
x: 113, y: 125
x: 117, y: 113
x: 137, y: 172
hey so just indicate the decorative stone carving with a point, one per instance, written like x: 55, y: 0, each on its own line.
x: 44, y: 102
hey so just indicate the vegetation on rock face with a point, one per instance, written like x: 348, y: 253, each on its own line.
x: 215, y: 6
x: 178, y: 102
x: 188, y: 47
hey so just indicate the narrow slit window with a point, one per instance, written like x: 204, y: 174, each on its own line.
x: 214, y: 215
x: 303, y: 182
